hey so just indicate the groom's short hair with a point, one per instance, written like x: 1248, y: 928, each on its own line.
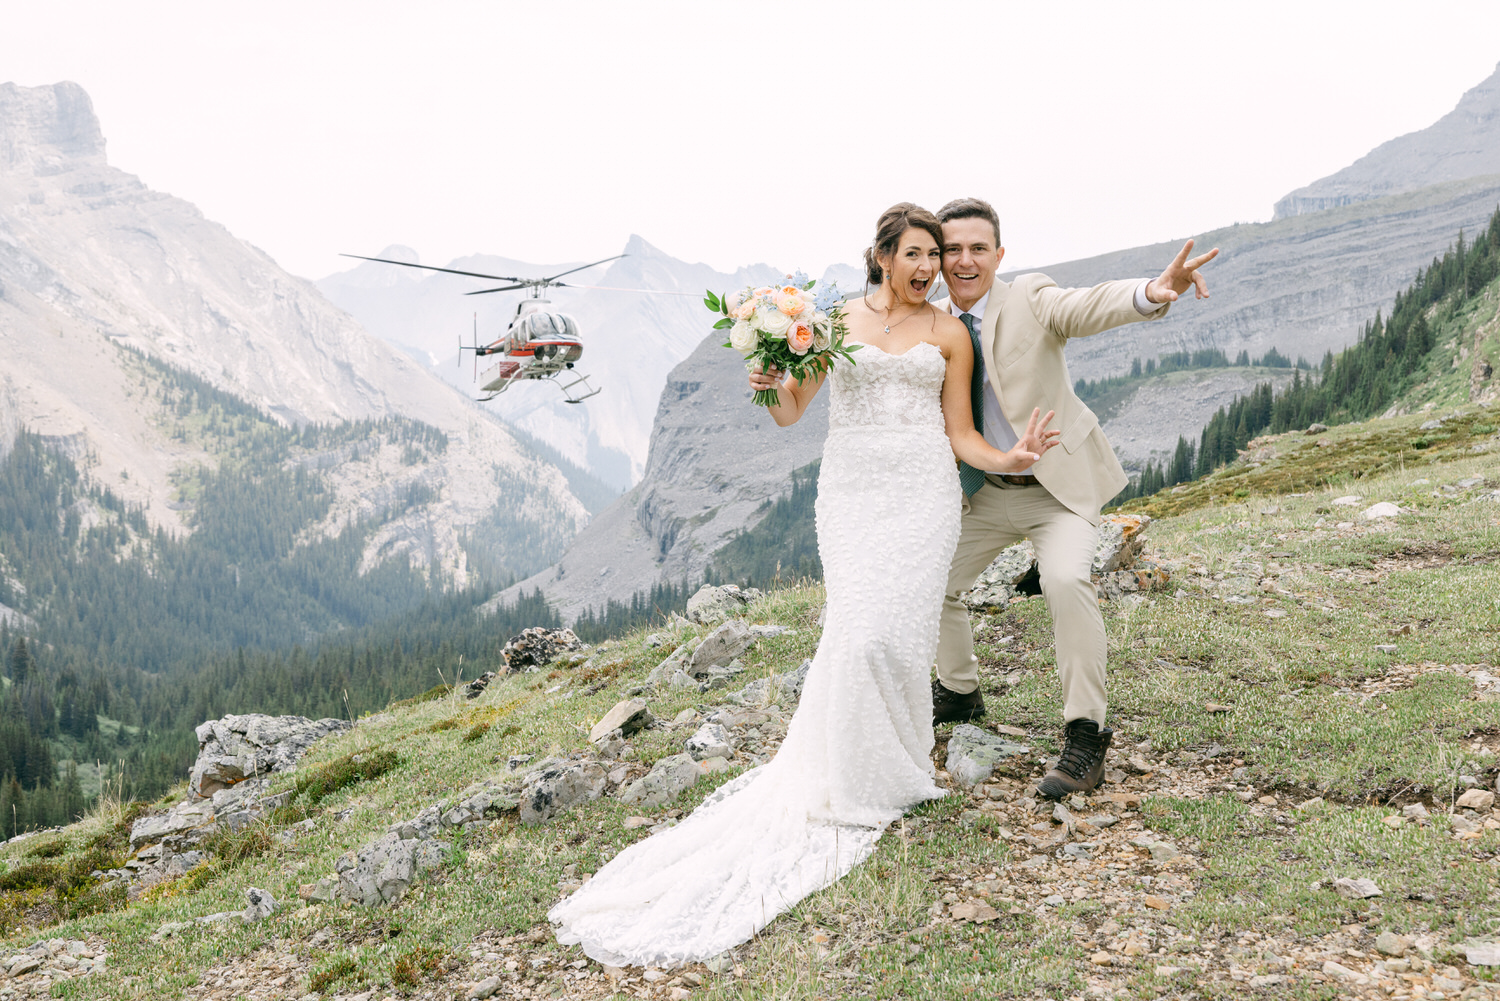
x: 971, y: 208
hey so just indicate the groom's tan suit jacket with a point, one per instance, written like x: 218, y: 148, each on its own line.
x: 1026, y: 325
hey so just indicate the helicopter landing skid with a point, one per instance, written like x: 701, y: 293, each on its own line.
x: 579, y: 379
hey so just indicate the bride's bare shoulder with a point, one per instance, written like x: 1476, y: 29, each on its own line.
x: 948, y: 332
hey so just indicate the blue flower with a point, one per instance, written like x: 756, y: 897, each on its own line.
x: 827, y: 297
x: 798, y: 278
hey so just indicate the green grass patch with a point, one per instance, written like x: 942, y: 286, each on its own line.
x: 325, y: 780
x: 435, y: 692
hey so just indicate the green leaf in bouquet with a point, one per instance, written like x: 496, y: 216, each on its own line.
x: 713, y: 302
x: 724, y: 324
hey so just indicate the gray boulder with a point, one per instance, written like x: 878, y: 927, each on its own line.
x: 481, y: 801
x: 668, y: 777
x: 380, y: 872
x: 627, y: 717
x: 1119, y: 541
x: 670, y: 665
x: 259, y: 904
x: 710, y: 741
x: 719, y: 647
x: 182, y: 817
x: 973, y: 754
x: 998, y: 582
x: 236, y: 748
x: 429, y: 855
x: 535, y: 648
x: 551, y: 790
x: 783, y: 688
x: 425, y: 825
x: 712, y: 604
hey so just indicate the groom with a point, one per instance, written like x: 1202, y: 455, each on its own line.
x: 1019, y: 330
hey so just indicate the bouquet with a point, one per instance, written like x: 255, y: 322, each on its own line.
x: 796, y: 326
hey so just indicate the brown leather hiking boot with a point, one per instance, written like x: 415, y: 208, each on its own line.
x: 1080, y: 766
x: 951, y: 707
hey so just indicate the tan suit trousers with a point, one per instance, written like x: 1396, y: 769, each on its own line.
x: 999, y: 515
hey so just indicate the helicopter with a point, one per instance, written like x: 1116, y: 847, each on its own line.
x: 539, y: 343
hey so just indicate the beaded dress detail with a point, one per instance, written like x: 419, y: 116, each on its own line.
x: 857, y: 753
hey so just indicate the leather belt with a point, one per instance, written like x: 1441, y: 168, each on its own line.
x: 1015, y: 480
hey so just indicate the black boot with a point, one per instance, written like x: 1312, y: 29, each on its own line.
x: 951, y: 707
x: 1080, y: 766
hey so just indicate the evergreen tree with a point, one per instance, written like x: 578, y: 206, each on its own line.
x: 18, y: 664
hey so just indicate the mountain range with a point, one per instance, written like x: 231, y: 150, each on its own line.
x: 97, y: 271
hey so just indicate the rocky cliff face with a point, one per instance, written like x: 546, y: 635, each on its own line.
x: 714, y: 461
x: 1463, y: 143
x: 1303, y: 285
x: 94, y: 265
x: 631, y: 341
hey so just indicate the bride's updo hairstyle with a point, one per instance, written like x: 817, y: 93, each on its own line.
x: 893, y: 222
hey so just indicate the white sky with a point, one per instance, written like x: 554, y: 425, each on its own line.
x: 735, y: 133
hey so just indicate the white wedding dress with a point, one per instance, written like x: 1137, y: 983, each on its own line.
x: 858, y: 750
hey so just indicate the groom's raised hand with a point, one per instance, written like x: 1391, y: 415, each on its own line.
x: 1181, y: 275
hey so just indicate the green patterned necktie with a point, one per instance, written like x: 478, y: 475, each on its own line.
x: 969, y: 478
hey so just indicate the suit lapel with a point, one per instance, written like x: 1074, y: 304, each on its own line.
x: 989, y: 334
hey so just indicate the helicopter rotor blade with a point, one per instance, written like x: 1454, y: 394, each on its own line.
x: 583, y: 267
x: 429, y: 267
x: 648, y: 291
x: 506, y: 288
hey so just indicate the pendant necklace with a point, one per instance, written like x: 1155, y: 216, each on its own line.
x: 898, y: 323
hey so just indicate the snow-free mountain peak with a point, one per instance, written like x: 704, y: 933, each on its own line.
x: 1463, y: 143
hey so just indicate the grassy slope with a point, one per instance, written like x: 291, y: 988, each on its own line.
x: 1316, y: 710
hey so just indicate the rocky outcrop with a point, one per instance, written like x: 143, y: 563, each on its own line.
x: 227, y: 786
x: 711, y: 604
x: 974, y: 754
x: 382, y: 871
x: 536, y: 648
x: 785, y: 688
x: 668, y: 777
x: 236, y: 748
x: 35, y: 969
x: 551, y: 790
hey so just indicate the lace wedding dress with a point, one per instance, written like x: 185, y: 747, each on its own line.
x: 857, y: 751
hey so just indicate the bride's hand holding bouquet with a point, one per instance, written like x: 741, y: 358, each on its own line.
x: 795, y: 327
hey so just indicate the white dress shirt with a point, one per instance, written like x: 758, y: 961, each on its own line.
x: 997, y: 430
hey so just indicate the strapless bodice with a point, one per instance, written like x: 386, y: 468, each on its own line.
x: 883, y: 390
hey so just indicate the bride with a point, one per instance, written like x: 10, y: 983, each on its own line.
x: 858, y: 750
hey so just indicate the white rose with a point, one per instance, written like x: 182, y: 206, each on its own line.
x: 774, y: 322
x: 821, y: 340
x: 742, y: 337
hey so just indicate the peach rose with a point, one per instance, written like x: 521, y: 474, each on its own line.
x: 790, y: 302
x: 799, y: 337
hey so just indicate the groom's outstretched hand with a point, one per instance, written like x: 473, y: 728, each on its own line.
x: 1181, y: 275
x: 1037, y: 438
